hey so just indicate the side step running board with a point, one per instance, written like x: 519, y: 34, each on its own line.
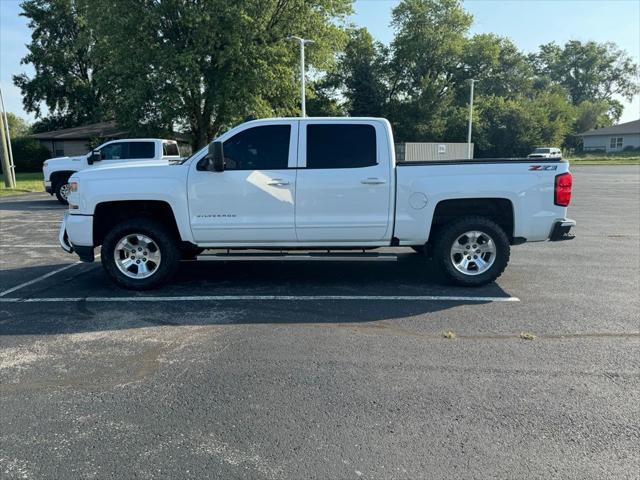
x: 304, y: 257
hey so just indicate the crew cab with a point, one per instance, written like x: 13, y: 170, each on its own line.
x: 310, y: 189
x: 546, y: 152
x: 57, y: 170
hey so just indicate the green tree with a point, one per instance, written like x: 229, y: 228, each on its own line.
x: 426, y: 52
x: 18, y: 127
x: 61, y: 52
x: 362, y: 75
x: 507, y: 127
x: 28, y: 154
x: 500, y: 68
x: 207, y: 64
x: 587, y: 116
x: 590, y: 71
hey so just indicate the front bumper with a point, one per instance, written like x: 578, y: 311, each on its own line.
x: 77, y: 225
x: 562, y: 230
x: 47, y: 188
x: 63, y: 238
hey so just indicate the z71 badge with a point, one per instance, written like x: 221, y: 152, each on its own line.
x: 539, y: 168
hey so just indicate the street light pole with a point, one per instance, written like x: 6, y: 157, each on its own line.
x: 5, y: 148
x: 469, y: 149
x: 302, y: 42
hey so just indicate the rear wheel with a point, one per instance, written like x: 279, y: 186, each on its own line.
x: 140, y: 254
x: 62, y: 190
x: 472, y: 251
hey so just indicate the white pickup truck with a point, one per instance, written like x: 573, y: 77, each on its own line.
x: 329, y: 187
x: 57, y: 170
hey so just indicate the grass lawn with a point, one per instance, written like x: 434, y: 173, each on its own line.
x: 622, y: 158
x: 25, y: 182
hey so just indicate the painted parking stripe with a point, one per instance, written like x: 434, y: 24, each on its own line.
x: 31, y: 246
x: 30, y: 221
x: 37, y: 279
x: 225, y: 298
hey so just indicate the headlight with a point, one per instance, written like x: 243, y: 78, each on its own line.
x: 73, y: 187
x: 45, y: 164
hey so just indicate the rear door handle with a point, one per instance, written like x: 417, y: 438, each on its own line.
x: 372, y: 181
x: 277, y: 182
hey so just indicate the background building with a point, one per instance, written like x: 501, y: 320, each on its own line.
x: 79, y: 140
x: 612, y: 139
x: 431, y: 151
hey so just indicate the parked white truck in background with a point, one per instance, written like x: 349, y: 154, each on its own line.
x: 327, y: 185
x: 57, y: 170
x: 546, y: 152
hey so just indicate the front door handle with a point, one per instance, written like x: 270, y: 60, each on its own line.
x: 277, y: 182
x: 372, y: 181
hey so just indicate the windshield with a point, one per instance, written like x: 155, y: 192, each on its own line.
x: 542, y: 150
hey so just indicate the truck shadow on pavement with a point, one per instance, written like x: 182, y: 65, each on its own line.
x: 12, y: 204
x: 412, y: 276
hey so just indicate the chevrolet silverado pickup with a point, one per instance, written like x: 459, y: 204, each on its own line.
x: 311, y: 189
x: 57, y: 170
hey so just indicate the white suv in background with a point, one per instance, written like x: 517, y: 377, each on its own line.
x: 545, y: 152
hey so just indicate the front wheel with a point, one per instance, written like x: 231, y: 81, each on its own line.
x: 472, y: 251
x: 140, y: 254
x: 62, y: 191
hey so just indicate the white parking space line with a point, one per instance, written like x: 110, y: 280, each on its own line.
x: 31, y: 221
x: 30, y: 246
x: 38, y: 279
x: 224, y: 298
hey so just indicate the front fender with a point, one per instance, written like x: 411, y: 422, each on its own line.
x: 94, y: 191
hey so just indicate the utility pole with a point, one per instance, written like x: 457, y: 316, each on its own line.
x: 302, y: 42
x: 6, y: 143
x: 469, y: 148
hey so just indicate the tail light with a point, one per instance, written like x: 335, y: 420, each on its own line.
x: 562, y: 191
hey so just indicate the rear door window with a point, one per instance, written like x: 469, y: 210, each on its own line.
x: 341, y: 146
x: 141, y: 150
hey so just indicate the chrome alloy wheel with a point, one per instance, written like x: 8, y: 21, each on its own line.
x: 65, y: 190
x: 473, y: 253
x: 137, y: 256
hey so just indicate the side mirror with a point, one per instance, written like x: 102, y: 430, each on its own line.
x: 216, y: 154
x: 95, y: 156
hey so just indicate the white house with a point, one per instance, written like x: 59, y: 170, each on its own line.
x: 612, y: 139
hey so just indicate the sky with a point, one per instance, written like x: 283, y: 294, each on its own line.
x: 528, y: 23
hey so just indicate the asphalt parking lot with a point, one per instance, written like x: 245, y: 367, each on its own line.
x: 327, y: 371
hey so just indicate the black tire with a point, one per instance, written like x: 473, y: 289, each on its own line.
x: 448, y: 234
x: 57, y: 190
x: 161, y: 236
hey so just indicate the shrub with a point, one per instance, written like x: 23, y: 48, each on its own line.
x: 28, y: 154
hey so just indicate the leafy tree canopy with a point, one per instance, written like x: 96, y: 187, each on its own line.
x: 207, y: 64
x: 61, y: 52
x: 589, y: 71
x: 18, y: 127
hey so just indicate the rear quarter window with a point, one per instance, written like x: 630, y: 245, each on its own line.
x: 170, y: 149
